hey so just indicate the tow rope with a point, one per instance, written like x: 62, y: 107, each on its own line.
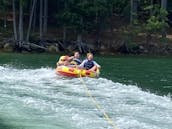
x: 98, y: 106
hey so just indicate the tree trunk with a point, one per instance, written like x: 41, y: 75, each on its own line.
x: 4, y: 12
x: 79, y: 42
x: 14, y: 21
x: 20, y: 22
x: 45, y: 17
x: 133, y: 11
x: 79, y: 37
x: 111, y: 17
x: 164, y: 6
x: 97, y: 35
x: 5, y: 19
x: 40, y: 21
x: 34, y: 19
x: 64, y: 34
x: 148, y: 39
x: 151, y: 11
x: 30, y: 20
x: 111, y: 27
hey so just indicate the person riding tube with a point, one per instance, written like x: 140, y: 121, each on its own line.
x: 76, y: 60
x: 89, y: 63
x: 64, y: 60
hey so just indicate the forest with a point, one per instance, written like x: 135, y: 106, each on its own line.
x: 100, y: 26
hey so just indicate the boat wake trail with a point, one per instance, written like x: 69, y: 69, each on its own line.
x: 39, y: 99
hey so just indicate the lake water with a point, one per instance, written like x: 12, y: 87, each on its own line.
x: 134, y: 91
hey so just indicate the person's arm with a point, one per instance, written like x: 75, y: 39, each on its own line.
x: 82, y: 64
x: 95, y: 63
x: 70, y: 58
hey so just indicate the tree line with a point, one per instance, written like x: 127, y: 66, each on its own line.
x: 83, y: 16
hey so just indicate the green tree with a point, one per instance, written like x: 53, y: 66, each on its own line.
x: 157, y: 22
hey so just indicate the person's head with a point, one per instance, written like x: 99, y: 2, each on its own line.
x: 64, y: 58
x: 89, y: 56
x: 76, y: 54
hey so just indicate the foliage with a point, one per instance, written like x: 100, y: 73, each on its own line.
x: 157, y: 22
x: 83, y: 15
x: 96, y: 15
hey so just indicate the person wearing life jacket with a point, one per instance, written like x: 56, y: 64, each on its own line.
x: 76, y: 60
x: 64, y: 60
x: 89, y: 63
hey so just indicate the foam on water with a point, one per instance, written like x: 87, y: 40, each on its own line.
x: 38, y: 98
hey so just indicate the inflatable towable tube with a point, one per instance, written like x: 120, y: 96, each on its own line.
x: 76, y: 72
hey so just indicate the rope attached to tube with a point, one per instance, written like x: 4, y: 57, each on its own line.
x: 98, y: 106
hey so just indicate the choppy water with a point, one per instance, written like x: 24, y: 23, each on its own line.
x: 39, y: 99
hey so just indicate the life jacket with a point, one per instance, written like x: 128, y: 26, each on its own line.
x: 75, y: 62
x: 88, y: 64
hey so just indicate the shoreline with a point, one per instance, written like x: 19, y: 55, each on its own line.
x: 58, y: 47
x: 96, y: 54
